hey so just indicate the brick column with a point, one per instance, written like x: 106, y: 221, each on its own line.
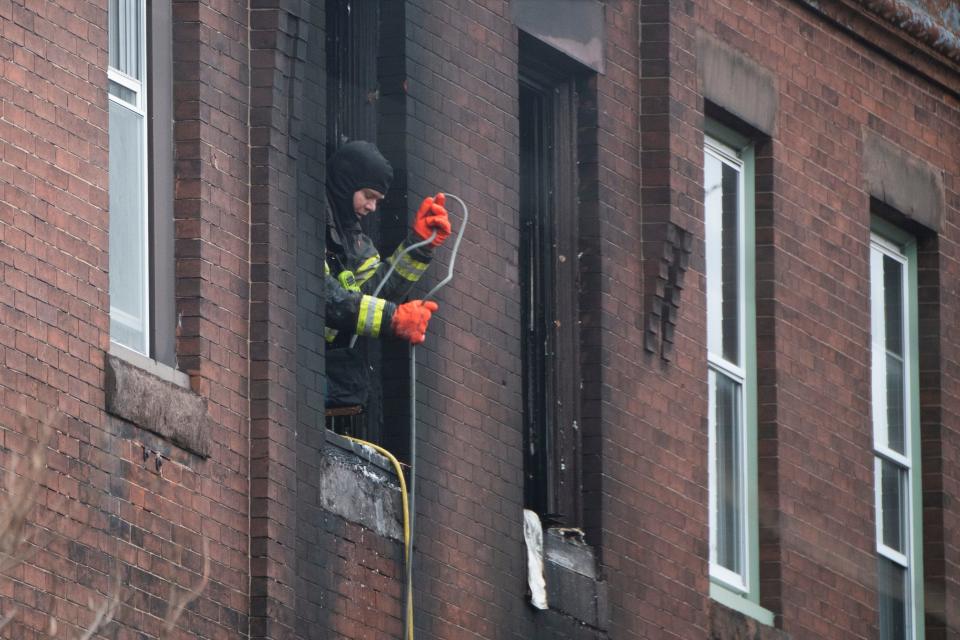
x: 276, y: 52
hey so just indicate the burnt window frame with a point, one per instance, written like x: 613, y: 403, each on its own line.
x: 353, y: 49
x: 549, y: 278
x: 352, y: 52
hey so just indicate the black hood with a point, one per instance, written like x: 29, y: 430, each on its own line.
x: 356, y: 165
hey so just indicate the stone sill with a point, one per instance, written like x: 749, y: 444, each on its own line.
x: 573, y: 587
x: 152, y: 397
x: 360, y: 485
x: 362, y: 452
x: 727, y: 623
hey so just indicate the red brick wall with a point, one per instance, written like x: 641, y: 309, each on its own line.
x: 212, y: 252
x: 461, y: 126
x: 814, y: 288
x: 281, y: 565
x: 363, y: 578
x: 106, y: 508
x: 644, y: 416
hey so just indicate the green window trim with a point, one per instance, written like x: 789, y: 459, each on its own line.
x: 744, y: 597
x: 738, y: 602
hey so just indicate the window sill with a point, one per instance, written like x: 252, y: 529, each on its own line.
x: 362, y: 452
x: 735, y: 601
x: 571, y: 578
x: 360, y: 486
x: 153, y: 367
x: 151, y: 395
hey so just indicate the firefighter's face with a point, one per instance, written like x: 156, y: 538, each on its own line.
x: 365, y: 201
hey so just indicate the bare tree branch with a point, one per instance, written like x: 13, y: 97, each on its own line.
x: 106, y: 611
x: 21, y: 496
x: 8, y: 618
x: 23, y: 484
x: 179, y: 603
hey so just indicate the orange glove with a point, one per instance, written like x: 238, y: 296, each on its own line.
x: 431, y: 216
x: 411, y: 318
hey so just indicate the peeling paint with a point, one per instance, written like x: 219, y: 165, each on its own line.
x: 933, y: 22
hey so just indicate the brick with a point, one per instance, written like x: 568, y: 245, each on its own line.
x: 838, y: 121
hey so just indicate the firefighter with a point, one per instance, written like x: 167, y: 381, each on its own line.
x: 358, y: 177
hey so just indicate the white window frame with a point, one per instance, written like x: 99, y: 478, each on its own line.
x: 718, y: 365
x: 139, y: 107
x: 910, y: 558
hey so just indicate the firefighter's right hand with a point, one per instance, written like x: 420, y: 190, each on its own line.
x: 411, y: 318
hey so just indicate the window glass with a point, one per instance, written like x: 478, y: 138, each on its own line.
x: 126, y: 46
x: 129, y: 289
x: 893, y: 334
x: 893, y: 491
x: 723, y: 251
x: 893, y: 374
x: 728, y: 376
x: 128, y: 232
x: 713, y: 228
x: 893, y: 588
x: 729, y: 465
x: 124, y: 93
x: 731, y: 252
x: 895, y: 405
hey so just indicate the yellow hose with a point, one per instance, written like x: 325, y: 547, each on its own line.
x: 406, y: 525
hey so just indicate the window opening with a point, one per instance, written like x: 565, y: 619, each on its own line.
x: 129, y: 236
x: 729, y: 248
x: 140, y: 97
x: 549, y: 289
x: 727, y: 373
x: 352, y: 92
x: 895, y: 419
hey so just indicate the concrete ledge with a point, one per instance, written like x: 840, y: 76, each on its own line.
x: 571, y: 576
x: 903, y: 181
x: 361, y: 491
x: 160, y: 370
x: 737, y: 84
x: 361, y: 451
x: 575, y: 27
x: 157, y: 405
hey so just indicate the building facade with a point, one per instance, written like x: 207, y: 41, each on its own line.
x: 701, y: 333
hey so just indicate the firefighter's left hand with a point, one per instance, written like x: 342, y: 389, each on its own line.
x: 410, y: 320
x: 432, y: 216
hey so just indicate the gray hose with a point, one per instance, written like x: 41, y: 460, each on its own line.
x: 408, y: 561
x: 412, y: 489
x: 393, y: 267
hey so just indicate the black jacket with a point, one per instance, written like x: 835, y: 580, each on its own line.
x: 354, y: 270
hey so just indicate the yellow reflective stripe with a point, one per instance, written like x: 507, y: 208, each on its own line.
x: 363, y: 316
x: 410, y: 268
x: 378, y: 307
x: 369, y: 263
x: 414, y: 264
x: 366, y: 270
x: 371, y: 316
x: 326, y: 268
